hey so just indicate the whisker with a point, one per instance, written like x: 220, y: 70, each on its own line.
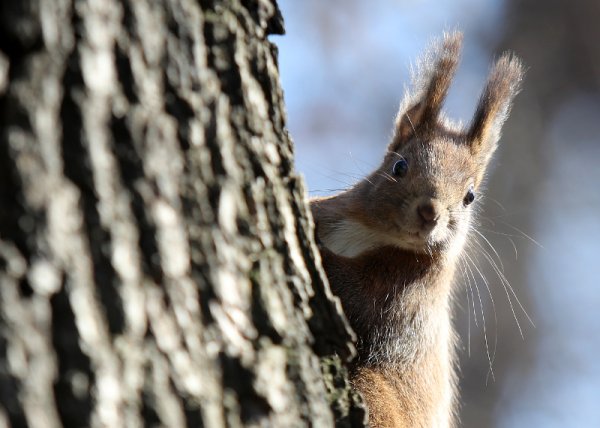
x: 507, y: 286
x: 386, y: 176
x: 467, y: 286
x: 524, y: 234
x: 411, y: 125
x: 495, y: 201
x: 492, y: 263
x: 491, y: 358
x: 326, y: 190
x: 490, y: 245
x: 364, y: 173
x: 472, y: 294
x: 395, y: 153
x: 362, y: 161
x: 509, y: 237
x: 334, y: 176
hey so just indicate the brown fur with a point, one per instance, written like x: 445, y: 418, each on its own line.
x: 391, y: 269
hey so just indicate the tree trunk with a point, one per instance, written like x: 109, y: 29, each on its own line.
x: 157, y: 261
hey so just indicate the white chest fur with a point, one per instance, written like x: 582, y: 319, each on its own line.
x: 349, y: 239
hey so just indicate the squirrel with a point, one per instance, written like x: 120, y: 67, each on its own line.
x: 390, y: 244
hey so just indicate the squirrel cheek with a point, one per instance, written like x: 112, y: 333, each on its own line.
x: 440, y: 232
x: 459, y: 224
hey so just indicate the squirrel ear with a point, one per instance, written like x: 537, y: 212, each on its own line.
x: 430, y: 80
x: 502, y: 86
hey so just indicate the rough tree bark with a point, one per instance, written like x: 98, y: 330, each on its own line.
x: 157, y: 264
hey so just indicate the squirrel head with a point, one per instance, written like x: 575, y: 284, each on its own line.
x: 422, y: 195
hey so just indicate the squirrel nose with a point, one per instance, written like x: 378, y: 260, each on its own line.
x: 428, y: 214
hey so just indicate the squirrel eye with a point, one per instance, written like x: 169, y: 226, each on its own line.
x: 400, y: 168
x: 469, y: 197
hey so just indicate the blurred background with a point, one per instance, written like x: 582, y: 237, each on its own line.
x: 344, y: 64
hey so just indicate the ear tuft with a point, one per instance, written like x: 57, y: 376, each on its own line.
x: 430, y: 82
x: 503, y: 84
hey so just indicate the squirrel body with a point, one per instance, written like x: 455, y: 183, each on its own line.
x: 391, y: 243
